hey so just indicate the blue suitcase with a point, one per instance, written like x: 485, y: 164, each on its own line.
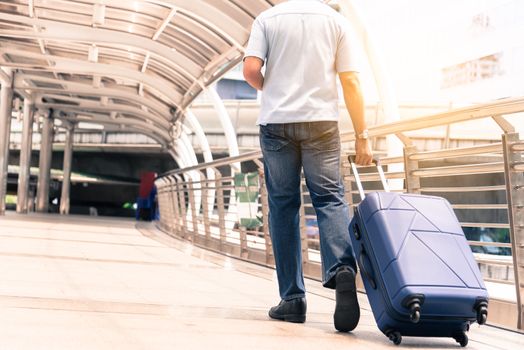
x: 418, y: 270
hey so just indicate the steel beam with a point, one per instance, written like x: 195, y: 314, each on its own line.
x: 25, y: 157
x: 69, y: 65
x: 81, y: 89
x: 77, y: 33
x: 218, y: 21
x: 44, y: 172
x: 201, y: 12
x: 101, y: 118
x: 83, y: 104
x: 6, y: 98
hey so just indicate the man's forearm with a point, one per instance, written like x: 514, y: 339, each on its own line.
x: 253, y: 72
x: 355, y: 106
x: 256, y: 80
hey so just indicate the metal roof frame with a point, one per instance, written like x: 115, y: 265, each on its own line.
x: 142, y: 61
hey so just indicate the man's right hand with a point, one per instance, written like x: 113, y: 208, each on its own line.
x: 364, y: 154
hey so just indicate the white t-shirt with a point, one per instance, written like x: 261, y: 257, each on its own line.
x: 305, y: 44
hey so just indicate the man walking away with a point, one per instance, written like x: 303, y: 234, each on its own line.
x: 305, y: 44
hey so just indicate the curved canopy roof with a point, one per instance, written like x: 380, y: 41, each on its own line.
x: 137, y: 64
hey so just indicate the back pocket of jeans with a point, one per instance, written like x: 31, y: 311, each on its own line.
x: 324, y: 136
x: 272, y: 139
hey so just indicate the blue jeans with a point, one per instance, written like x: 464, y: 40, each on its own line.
x: 315, y: 148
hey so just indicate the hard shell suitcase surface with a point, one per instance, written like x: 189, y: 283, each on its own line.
x: 418, y: 270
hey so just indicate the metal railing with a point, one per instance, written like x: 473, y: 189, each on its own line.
x: 484, y: 183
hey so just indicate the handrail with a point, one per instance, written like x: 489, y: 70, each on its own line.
x: 464, y: 189
x: 457, y: 152
x: 219, y: 162
x: 461, y: 169
x: 504, y: 106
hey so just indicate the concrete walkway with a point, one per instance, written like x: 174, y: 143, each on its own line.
x: 94, y: 283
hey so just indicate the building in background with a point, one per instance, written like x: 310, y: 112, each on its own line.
x: 450, y: 51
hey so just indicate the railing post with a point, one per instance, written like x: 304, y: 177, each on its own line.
x: 220, y: 206
x: 182, y: 202
x: 205, y: 208
x: 412, y: 181
x: 515, y: 198
x: 176, y: 206
x: 165, y: 206
x: 244, y: 253
x: 270, y: 258
x: 169, y: 198
x: 192, y: 204
x: 160, y: 197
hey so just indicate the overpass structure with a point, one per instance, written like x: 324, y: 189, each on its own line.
x: 135, y: 68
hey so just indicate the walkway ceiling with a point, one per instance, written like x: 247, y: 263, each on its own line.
x: 137, y: 64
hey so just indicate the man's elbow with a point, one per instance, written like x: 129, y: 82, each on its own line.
x: 253, y: 78
x: 349, y: 78
x: 249, y: 74
x: 350, y: 81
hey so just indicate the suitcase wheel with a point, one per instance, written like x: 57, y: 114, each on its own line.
x: 395, y: 337
x: 414, y: 316
x: 482, y: 314
x: 482, y: 318
x: 462, y: 339
x: 413, y: 303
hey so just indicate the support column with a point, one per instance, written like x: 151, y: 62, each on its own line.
x: 24, y: 173
x: 195, y: 175
x: 173, y: 190
x: 66, y: 180
x: 6, y: 98
x: 232, y: 144
x: 412, y: 181
x: 206, y: 151
x: 44, y: 165
x: 227, y: 125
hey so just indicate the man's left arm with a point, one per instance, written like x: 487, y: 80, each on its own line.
x: 253, y: 72
x: 255, y: 55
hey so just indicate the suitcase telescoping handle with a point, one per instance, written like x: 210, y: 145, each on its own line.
x: 357, y: 176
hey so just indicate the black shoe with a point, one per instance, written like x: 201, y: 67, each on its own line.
x: 293, y: 310
x: 347, y: 311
